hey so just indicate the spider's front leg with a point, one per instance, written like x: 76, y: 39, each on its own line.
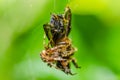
x: 75, y: 63
x: 65, y: 66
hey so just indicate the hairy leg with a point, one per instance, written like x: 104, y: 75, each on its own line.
x: 75, y: 63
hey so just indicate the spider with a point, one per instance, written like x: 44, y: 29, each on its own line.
x: 59, y: 50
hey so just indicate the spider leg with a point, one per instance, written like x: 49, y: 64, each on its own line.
x: 75, y: 63
x: 59, y: 59
x: 67, y: 69
x: 50, y: 64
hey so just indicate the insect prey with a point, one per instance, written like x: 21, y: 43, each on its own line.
x: 59, y: 50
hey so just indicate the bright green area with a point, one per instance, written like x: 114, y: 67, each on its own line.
x: 95, y: 32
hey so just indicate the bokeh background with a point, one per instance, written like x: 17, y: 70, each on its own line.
x: 95, y: 32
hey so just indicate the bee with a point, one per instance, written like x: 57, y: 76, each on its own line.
x: 59, y: 50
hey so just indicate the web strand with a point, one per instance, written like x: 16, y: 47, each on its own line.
x: 68, y: 1
x: 54, y: 5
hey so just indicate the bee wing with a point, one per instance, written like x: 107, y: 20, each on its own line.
x: 47, y: 30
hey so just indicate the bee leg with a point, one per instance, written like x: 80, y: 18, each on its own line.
x: 74, y: 63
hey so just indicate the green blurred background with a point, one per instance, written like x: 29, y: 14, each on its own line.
x: 95, y: 32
